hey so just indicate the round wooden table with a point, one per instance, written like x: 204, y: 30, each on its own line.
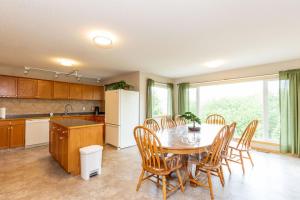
x: 180, y: 140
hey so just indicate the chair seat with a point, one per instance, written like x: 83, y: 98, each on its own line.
x: 173, y: 162
x: 200, y: 161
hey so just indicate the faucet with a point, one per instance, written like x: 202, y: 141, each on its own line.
x: 67, y: 110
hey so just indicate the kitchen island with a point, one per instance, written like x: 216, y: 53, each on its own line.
x: 67, y: 136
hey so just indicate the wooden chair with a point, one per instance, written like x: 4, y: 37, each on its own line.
x: 151, y: 124
x: 215, y: 119
x: 167, y: 122
x: 243, y: 145
x: 155, y: 162
x: 225, y: 153
x: 212, y: 163
x: 180, y: 121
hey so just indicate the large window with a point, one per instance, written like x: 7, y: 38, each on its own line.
x: 160, y: 100
x: 241, y: 102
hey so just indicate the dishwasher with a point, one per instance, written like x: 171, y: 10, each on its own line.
x: 36, y: 132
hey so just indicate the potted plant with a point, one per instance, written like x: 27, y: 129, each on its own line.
x: 193, y: 118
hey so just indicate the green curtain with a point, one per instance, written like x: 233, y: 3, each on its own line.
x: 289, y: 90
x: 150, y: 85
x: 170, y: 87
x: 183, y: 98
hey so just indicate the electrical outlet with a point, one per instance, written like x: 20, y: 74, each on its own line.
x: 83, y: 108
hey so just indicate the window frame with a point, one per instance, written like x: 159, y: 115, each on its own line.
x: 159, y: 85
x: 265, y: 103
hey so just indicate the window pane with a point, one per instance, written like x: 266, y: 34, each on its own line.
x: 273, y: 110
x: 239, y: 102
x: 159, y: 101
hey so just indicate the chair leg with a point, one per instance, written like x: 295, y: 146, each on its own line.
x: 210, y: 185
x: 250, y: 158
x: 140, y: 180
x: 180, y: 180
x: 242, y: 162
x: 222, y: 174
x: 164, y: 187
x: 157, y: 181
x: 227, y: 164
x: 220, y: 177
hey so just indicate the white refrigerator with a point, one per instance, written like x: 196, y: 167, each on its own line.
x: 121, y: 116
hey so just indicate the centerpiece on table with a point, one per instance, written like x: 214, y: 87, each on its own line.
x: 192, y: 118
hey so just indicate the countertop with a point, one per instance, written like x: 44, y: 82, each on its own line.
x: 36, y: 116
x: 76, y: 123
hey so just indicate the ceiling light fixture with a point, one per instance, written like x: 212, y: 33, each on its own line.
x: 102, y: 41
x: 66, y: 62
x: 214, y: 64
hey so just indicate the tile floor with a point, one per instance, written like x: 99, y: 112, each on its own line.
x: 33, y: 174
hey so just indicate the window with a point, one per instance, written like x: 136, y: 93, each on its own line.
x: 160, y: 100
x: 242, y: 102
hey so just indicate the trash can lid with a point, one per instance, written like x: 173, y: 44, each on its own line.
x: 90, y: 149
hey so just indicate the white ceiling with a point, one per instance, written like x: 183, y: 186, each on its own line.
x: 171, y: 38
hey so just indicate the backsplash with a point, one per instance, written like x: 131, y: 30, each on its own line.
x: 41, y: 106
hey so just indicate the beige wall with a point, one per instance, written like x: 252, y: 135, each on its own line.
x: 130, y: 78
x: 40, y: 106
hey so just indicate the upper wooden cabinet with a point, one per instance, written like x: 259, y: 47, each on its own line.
x: 87, y: 92
x: 44, y: 89
x: 98, y: 92
x: 75, y: 91
x: 61, y: 90
x: 8, y: 86
x: 27, y: 88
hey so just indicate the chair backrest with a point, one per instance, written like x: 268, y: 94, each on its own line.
x: 151, y: 124
x: 150, y: 149
x: 180, y: 121
x: 217, y: 147
x: 245, y: 140
x: 231, y: 131
x: 167, y: 122
x: 215, y: 119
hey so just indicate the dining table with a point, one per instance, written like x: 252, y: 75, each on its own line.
x: 184, y: 142
x: 180, y: 140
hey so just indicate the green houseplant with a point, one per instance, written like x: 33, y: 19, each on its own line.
x: 118, y: 85
x: 192, y: 118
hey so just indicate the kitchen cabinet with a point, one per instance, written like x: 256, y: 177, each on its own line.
x: 17, y: 136
x: 12, y: 134
x: 98, y: 92
x: 8, y: 86
x: 67, y: 136
x: 75, y: 91
x: 44, y: 89
x: 4, y: 136
x: 99, y: 118
x: 27, y: 88
x: 87, y: 92
x: 61, y: 90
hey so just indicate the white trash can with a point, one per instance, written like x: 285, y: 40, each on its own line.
x: 90, y: 160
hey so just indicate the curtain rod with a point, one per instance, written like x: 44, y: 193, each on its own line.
x: 232, y: 79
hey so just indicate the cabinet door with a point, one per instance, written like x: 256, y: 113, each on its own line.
x: 87, y: 92
x: 8, y: 86
x: 63, y: 149
x: 98, y: 92
x: 61, y: 90
x: 100, y: 119
x: 75, y: 91
x: 45, y: 89
x: 27, y: 88
x: 17, y: 136
x: 4, y: 137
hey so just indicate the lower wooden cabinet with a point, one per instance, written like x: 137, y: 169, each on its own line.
x: 12, y: 134
x: 4, y: 136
